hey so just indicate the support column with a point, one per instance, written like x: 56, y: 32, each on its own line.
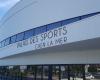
x: 59, y: 72
x: 42, y: 72
x: 83, y: 71
x: 35, y: 75
x: 68, y: 72
x: 50, y: 73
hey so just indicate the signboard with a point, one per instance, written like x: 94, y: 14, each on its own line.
x: 57, y: 36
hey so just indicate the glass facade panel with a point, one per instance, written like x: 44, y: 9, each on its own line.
x: 0, y: 45
x: 30, y: 72
x: 89, y: 15
x: 56, y: 73
x: 7, y: 41
x: 45, y: 72
x: 85, y: 16
x: 51, y: 72
x: 13, y: 39
x: 3, y: 43
x: 29, y: 34
x: 68, y: 21
x: 19, y: 36
x: 39, y: 73
x: 64, y: 72
x: 40, y: 30
x: 53, y: 25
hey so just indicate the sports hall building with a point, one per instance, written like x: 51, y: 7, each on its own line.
x: 50, y: 40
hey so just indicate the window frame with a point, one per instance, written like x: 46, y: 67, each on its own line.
x: 13, y: 40
x: 3, y: 43
x: 0, y: 45
x: 40, y: 30
x: 19, y: 35
x: 7, y: 43
x: 54, y: 25
x: 26, y: 33
x: 71, y: 20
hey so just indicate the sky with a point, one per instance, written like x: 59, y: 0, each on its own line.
x: 5, y: 5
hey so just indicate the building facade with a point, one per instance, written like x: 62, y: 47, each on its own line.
x: 51, y: 32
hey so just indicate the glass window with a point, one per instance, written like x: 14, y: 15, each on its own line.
x: 56, y: 73
x: 29, y: 34
x: 39, y: 73
x: 19, y: 36
x: 88, y: 15
x: 30, y: 70
x: 68, y: 21
x: 13, y: 39
x: 46, y: 73
x: 53, y: 25
x: 40, y: 30
x: 0, y: 44
x: 3, y: 43
x: 7, y: 41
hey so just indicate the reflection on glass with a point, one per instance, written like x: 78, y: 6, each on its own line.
x: 45, y: 72
x: 55, y: 73
x: 39, y: 72
x: 64, y: 72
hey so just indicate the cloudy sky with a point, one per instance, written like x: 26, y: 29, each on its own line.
x: 5, y: 5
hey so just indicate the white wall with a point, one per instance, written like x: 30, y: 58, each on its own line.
x: 78, y: 31
x: 73, y: 57
x: 43, y: 12
x: 25, y: 15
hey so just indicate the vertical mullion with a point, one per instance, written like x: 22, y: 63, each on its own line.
x: 50, y: 72
x: 35, y: 75
x: 59, y: 72
x: 42, y: 72
x: 68, y: 72
x: 83, y: 71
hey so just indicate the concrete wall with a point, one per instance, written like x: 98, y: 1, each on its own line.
x: 78, y: 31
x: 30, y: 14
x: 73, y: 57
